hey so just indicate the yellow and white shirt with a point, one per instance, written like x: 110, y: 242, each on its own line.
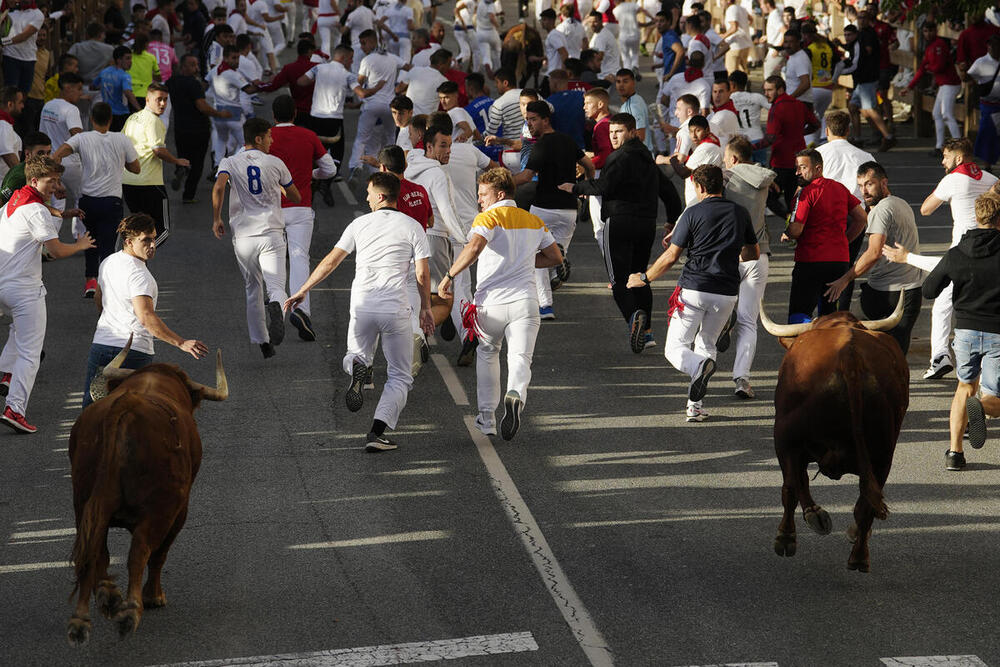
x: 506, y: 268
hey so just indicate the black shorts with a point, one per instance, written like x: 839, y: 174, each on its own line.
x: 885, y: 76
x: 327, y: 127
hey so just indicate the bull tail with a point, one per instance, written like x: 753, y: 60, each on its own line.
x: 870, y: 488
x: 91, y: 533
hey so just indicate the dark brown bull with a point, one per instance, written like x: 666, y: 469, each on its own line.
x: 842, y: 392
x: 133, y: 456
x: 522, y: 52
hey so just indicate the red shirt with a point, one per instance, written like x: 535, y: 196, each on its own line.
x: 299, y: 148
x: 578, y: 85
x: 937, y: 60
x: 458, y: 76
x: 822, y: 207
x: 972, y: 42
x: 601, y: 142
x: 786, y: 122
x: 886, y: 36
x: 289, y: 75
x: 414, y: 202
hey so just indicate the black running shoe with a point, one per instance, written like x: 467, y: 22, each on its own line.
x: 511, y: 421
x: 354, y: 398
x: 300, y: 320
x: 267, y: 350
x: 699, y: 385
x: 637, y: 330
x: 379, y: 443
x: 448, y: 329
x: 954, y: 460
x: 468, y: 353
x: 977, y: 422
x: 275, y: 323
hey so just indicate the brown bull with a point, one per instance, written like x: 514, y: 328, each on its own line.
x: 133, y: 456
x: 842, y: 392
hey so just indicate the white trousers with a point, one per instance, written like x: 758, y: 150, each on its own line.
x: 597, y: 221
x: 22, y: 353
x: 486, y: 49
x: 262, y: 263
x: 518, y: 323
x: 466, y: 45
x: 941, y: 313
x: 462, y: 289
x: 772, y: 64
x: 326, y: 27
x: 944, y: 114
x: 822, y: 97
x: 699, y: 322
x: 397, y: 346
x: 227, y: 137
x: 400, y: 47
x: 753, y: 280
x: 562, y: 223
x: 370, y: 137
x: 277, y: 37
x: 298, y: 235
x: 628, y: 47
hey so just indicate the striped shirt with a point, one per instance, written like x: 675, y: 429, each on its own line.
x: 504, y: 117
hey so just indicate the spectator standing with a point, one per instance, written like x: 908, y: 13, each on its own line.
x: 115, y: 85
x: 985, y: 72
x: 93, y: 54
x: 20, y: 45
x: 737, y: 35
x: 144, y: 69
x: 939, y: 62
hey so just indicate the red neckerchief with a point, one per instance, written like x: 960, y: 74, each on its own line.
x: 692, y: 73
x: 470, y: 321
x: 419, y: 145
x: 969, y: 169
x: 704, y: 40
x: 6, y: 116
x: 24, y: 5
x: 728, y: 105
x: 223, y: 66
x: 710, y: 139
x: 22, y: 196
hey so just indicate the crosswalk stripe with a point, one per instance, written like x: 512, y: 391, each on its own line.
x: 935, y: 661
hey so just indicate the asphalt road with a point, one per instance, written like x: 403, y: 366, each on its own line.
x: 609, y: 532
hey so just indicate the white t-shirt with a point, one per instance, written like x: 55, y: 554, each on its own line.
x: 21, y: 237
x: 704, y: 153
x: 628, y: 21
x: 123, y: 277
x: 58, y: 118
x: 678, y: 86
x: 397, y: 18
x: 961, y: 192
x: 773, y: 30
x: 463, y: 168
x: 20, y: 19
x: 255, y: 12
x: 574, y: 36
x: 403, y: 139
x: 377, y: 67
x: 724, y: 125
x: 484, y: 8
x: 333, y: 83
x: 554, y: 41
x: 748, y: 106
x: 10, y: 143
x: 460, y: 115
x: 505, y: 271
x: 605, y: 42
x: 386, y: 241
x: 102, y: 156
x: 841, y: 160
x: 422, y: 84
x: 984, y: 70
x: 227, y: 86
x: 256, y: 179
x: 360, y: 19
x: 422, y: 58
x: 736, y: 14
x: 238, y: 24
x: 797, y: 65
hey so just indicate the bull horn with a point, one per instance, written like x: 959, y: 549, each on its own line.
x: 120, y: 358
x: 781, y: 330
x: 889, y: 322
x: 113, y: 371
x: 221, y: 390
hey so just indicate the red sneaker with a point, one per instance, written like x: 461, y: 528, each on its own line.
x: 4, y: 384
x: 90, y: 288
x: 16, y: 421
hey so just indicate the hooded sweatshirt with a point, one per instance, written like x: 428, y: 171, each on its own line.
x: 747, y: 186
x: 972, y: 267
x: 630, y: 182
x: 428, y: 172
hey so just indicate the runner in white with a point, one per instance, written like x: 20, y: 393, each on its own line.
x: 227, y: 84
x: 510, y: 244
x: 326, y: 23
x: 378, y: 68
x: 397, y: 24
x: 361, y: 19
x: 386, y: 241
x: 486, y: 53
x: 257, y: 182
x: 26, y: 225
x: 604, y: 42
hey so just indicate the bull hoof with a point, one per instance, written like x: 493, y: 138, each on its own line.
x: 78, y: 631
x: 818, y: 519
x: 852, y: 533
x: 109, y: 599
x: 127, y: 620
x: 154, y: 602
x: 784, y: 544
x: 860, y: 565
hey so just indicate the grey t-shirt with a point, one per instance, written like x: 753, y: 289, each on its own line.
x: 893, y: 217
x: 93, y: 56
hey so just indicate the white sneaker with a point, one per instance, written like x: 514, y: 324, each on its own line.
x: 486, y: 427
x: 743, y: 388
x: 695, y: 413
x: 939, y: 368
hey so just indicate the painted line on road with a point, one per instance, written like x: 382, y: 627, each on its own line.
x: 389, y: 654
x: 348, y: 195
x: 55, y: 532
x: 394, y: 538
x: 935, y: 661
x: 740, y: 664
x: 34, y: 567
x: 450, y: 379
x: 570, y: 606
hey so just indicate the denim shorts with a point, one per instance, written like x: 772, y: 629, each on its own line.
x: 978, y: 352
x: 865, y: 95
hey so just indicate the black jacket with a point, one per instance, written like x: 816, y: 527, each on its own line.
x: 630, y: 183
x: 972, y: 266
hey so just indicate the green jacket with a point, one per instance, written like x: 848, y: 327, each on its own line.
x: 13, y: 181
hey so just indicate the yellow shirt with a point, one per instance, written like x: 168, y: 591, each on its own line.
x: 42, y: 61
x: 821, y: 55
x: 146, y: 131
x: 144, y: 68
x: 51, y: 88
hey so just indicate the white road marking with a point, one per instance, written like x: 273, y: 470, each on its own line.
x: 935, y: 661
x: 570, y: 606
x: 741, y: 664
x: 450, y: 379
x: 34, y: 567
x: 348, y: 195
x: 56, y: 532
x: 395, y: 538
x: 390, y: 654
x: 26, y: 523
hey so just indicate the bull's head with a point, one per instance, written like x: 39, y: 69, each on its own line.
x: 786, y: 333
x: 114, y: 371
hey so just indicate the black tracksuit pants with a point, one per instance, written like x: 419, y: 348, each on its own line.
x: 628, y: 242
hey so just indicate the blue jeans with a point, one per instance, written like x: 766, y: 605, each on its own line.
x: 978, y: 353
x: 18, y: 73
x: 102, y: 216
x: 101, y: 355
